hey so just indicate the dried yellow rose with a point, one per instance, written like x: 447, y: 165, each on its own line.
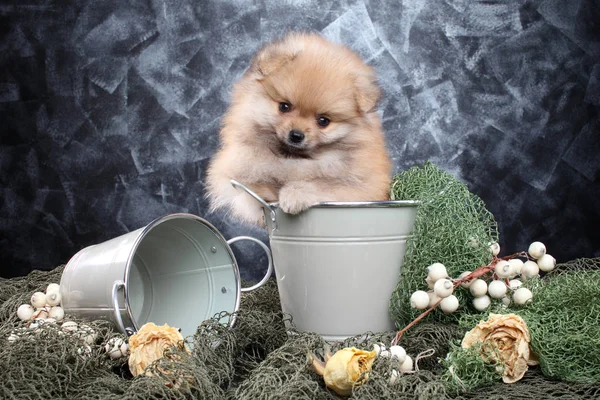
x: 505, y: 340
x: 149, y: 344
x: 343, y: 370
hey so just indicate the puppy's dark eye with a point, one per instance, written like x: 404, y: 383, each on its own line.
x: 323, y: 122
x: 285, y: 107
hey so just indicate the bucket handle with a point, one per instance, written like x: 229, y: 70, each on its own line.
x: 117, y: 310
x: 266, y: 205
x: 269, y: 259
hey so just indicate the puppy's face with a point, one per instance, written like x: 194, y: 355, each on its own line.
x: 314, y: 94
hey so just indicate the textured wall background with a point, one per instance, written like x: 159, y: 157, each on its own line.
x: 110, y: 109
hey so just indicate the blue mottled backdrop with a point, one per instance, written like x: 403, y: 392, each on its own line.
x: 109, y: 110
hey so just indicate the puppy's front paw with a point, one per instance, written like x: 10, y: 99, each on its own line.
x: 296, y: 197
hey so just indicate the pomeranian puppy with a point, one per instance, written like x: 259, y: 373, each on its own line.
x: 302, y: 128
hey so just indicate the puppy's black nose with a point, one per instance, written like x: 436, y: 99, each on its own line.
x: 296, y: 136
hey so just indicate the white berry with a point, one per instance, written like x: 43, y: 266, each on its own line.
x: 378, y: 348
x: 407, y: 365
x: 478, y: 288
x: 449, y: 304
x: 25, y: 312
x: 57, y: 313
x: 436, y: 271
x: 516, y: 265
x: 433, y: 299
x: 530, y: 269
x: 419, y: 300
x: 399, y: 353
x: 38, y: 299
x: 113, y: 347
x: 495, y: 248
x: 546, y: 263
x: 503, y: 269
x: 124, y: 349
x: 443, y: 288
x: 497, y: 289
x: 514, y: 284
x: 53, y: 287
x: 53, y: 298
x: 69, y: 326
x: 394, y: 376
x: 481, y: 303
x: 522, y: 296
x: 537, y: 250
x: 465, y: 284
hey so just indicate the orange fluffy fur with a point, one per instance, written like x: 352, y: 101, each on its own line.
x: 346, y: 160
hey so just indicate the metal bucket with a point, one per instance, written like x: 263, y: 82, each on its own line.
x: 177, y: 270
x: 338, y: 263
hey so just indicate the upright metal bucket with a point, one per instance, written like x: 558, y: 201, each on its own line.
x: 177, y: 270
x: 337, y: 264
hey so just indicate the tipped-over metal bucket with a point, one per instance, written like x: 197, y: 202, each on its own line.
x: 338, y: 263
x: 177, y: 270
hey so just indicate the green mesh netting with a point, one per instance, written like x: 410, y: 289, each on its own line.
x: 257, y: 359
x: 452, y: 227
x: 564, y: 324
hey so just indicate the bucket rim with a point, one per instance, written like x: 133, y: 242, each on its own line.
x: 161, y: 220
x: 362, y: 204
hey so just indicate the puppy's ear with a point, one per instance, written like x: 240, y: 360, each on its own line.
x: 366, y: 91
x: 270, y: 59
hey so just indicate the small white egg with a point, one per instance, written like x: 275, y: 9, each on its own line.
x: 465, y: 285
x: 514, y: 284
x: 449, y: 304
x: 419, y: 300
x: 478, y: 288
x: 433, y: 299
x: 481, y: 303
x: 522, y: 296
x: 398, y: 353
x: 25, y: 312
x: 546, y: 263
x: 503, y: 269
x: 38, y: 299
x: 516, y: 265
x: 530, y: 269
x: 53, y: 287
x: 443, y: 288
x: 69, y: 326
x: 407, y: 365
x: 436, y: 271
x: 506, y: 301
x: 57, y: 312
x: 537, y: 250
x: 495, y: 249
x: 53, y: 298
x: 497, y: 289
